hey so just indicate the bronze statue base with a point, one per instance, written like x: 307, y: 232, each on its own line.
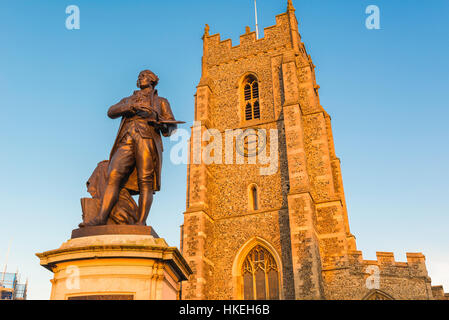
x: 113, y: 229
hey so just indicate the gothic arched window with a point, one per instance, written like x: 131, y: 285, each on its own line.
x: 260, y: 275
x: 251, y: 98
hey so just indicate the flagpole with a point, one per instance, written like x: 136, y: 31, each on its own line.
x: 257, y: 24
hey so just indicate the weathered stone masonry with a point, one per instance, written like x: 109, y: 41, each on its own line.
x: 302, y: 216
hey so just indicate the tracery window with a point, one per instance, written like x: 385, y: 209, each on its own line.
x: 260, y: 275
x: 251, y: 98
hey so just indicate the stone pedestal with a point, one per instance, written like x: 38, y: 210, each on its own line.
x: 115, y: 267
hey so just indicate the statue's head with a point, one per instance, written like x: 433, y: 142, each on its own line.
x: 147, y: 79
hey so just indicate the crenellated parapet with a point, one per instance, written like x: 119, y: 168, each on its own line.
x: 438, y: 293
x: 382, y: 278
x: 275, y: 37
x: 415, y: 265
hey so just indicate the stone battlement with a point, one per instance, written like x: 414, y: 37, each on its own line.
x: 387, y: 258
x: 438, y: 293
x: 275, y: 37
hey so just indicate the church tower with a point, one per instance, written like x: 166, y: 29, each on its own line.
x: 251, y: 231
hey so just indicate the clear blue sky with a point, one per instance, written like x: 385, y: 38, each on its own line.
x: 386, y: 90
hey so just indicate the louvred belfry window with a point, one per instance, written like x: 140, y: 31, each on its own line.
x: 251, y: 97
x: 260, y: 275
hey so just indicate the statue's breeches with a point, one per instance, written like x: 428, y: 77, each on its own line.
x: 133, y: 151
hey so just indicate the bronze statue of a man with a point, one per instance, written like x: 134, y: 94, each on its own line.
x: 136, y: 157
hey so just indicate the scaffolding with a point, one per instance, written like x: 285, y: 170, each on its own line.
x: 11, y: 288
